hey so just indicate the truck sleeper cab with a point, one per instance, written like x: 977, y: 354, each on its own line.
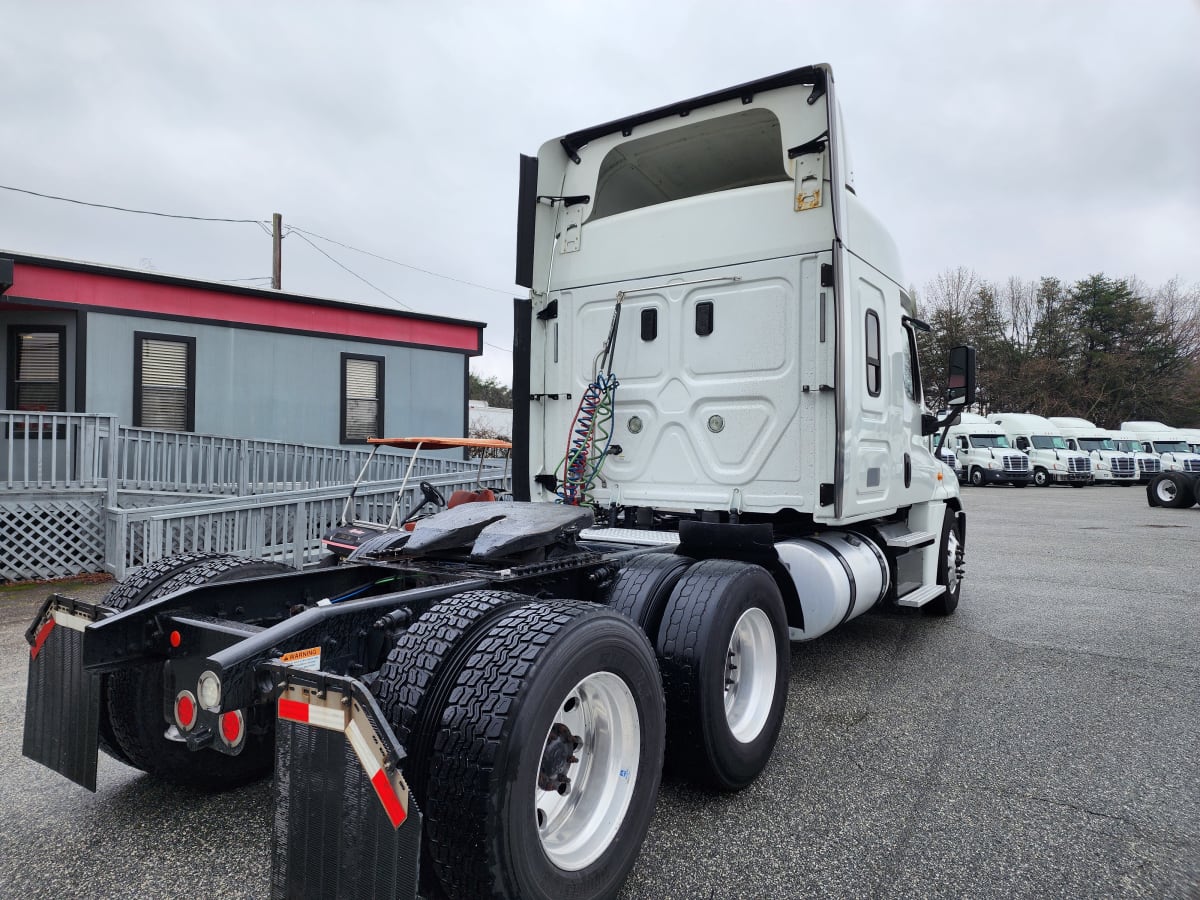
x: 984, y: 455
x: 1053, y: 462
x: 723, y: 427
x: 1110, y: 465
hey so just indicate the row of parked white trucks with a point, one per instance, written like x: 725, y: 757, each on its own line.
x: 1021, y: 448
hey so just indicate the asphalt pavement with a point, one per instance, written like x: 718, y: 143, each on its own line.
x: 1042, y: 742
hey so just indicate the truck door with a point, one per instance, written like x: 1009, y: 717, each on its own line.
x: 871, y: 429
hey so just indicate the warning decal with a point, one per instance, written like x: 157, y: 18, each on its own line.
x: 303, y: 659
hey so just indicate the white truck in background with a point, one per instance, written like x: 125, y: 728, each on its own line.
x: 1148, y: 464
x: 1053, y: 462
x: 1109, y: 464
x: 985, y: 455
x: 1170, y: 445
x: 1192, y: 436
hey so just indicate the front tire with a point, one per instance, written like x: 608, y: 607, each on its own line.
x: 1041, y: 477
x: 977, y: 479
x: 549, y: 757
x: 949, y: 567
x: 724, y: 652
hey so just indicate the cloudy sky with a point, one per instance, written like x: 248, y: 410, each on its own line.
x: 1014, y: 138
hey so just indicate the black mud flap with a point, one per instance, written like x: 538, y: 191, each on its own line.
x: 345, y: 824
x: 62, y: 699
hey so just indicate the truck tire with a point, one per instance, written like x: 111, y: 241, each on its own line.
x: 1041, y: 477
x: 1173, y: 490
x: 135, y: 700
x: 644, y: 586
x: 725, y: 656
x: 1196, y: 488
x: 133, y: 590
x: 530, y: 794
x: 422, y: 667
x: 950, y: 550
x: 977, y: 479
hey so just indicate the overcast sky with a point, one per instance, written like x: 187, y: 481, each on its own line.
x: 1017, y: 138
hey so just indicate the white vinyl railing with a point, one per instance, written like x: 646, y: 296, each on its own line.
x: 53, y: 451
x: 59, y: 507
x: 286, y: 526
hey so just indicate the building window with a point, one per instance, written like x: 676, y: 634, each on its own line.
x: 362, y: 398
x: 164, y: 381
x: 874, y: 365
x: 37, y: 368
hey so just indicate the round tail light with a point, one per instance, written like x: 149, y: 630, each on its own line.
x: 233, y: 728
x: 185, y: 710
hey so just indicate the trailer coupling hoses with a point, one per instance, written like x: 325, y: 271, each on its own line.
x: 591, y: 429
x: 591, y: 435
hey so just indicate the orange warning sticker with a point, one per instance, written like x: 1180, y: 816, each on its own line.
x: 309, y: 658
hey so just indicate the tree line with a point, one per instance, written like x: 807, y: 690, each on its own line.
x: 1103, y: 349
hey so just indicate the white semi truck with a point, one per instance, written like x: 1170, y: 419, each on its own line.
x: 718, y: 421
x: 984, y: 454
x: 1169, y: 444
x: 1148, y: 464
x: 1053, y: 462
x: 1110, y: 465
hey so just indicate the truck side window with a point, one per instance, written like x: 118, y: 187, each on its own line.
x: 912, y: 368
x: 874, y: 367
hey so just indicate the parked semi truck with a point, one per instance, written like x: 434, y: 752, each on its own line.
x: 1052, y: 461
x: 1169, y: 444
x: 718, y: 450
x: 1109, y: 464
x: 985, y: 455
x: 1148, y: 464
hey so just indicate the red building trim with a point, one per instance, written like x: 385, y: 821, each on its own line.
x: 160, y: 296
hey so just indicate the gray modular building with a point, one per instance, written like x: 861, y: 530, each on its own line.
x: 175, y: 353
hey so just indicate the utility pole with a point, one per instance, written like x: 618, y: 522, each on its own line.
x: 276, y: 251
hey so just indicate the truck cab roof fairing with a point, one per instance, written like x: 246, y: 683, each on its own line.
x: 818, y: 76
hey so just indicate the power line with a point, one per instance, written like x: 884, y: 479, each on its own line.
x: 405, y: 265
x: 498, y: 347
x: 348, y: 269
x: 140, y: 212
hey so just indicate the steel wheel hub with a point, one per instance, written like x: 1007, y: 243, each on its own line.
x: 588, y: 770
x: 750, y: 670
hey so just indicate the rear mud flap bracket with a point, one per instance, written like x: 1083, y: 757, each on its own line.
x: 62, y: 699
x: 345, y: 824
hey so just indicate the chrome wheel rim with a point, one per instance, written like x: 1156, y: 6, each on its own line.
x: 1166, y: 490
x: 952, y: 561
x: 588, y: 771
x: 750, y: 670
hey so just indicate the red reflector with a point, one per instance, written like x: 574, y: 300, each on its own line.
x: 185, y: 710
x: 176, y: 639
x: 293, y: 709
x: 231, y: 728
x: 387, y: 796
x: 43, y: 633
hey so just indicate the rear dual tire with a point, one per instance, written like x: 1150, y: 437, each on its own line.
x: 133, y: 697
x: 725, y: 656
x: 548, y: 757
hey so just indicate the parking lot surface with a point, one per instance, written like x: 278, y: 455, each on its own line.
x: 1042, y: 742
